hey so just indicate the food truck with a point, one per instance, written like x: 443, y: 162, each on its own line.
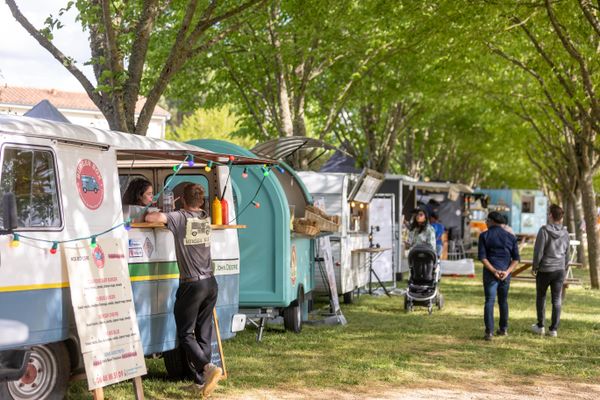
x: 448, y: 200
x: 525, y: 209
x: 349, y: 196
x: 276, y: 263
x: 64, y: 181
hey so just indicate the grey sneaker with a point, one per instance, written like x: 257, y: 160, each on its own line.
x: 553, y: 333
x: 488, y: 336
x: 536, y: 329
x: 212, y: 376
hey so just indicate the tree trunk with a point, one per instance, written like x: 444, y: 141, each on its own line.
x: 567, y: 203
x: 588, y: 198
x: 577, y: 217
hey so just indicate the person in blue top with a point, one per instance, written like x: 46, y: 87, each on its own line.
x: 499, y: 253
x: 439, y: 228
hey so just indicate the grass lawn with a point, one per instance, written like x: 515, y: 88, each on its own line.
x: 382, y: 345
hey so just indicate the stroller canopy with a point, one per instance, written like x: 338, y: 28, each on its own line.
x: 421, y: 254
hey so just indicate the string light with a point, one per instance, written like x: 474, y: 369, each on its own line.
x: 177, y: 167
x: 15, y: 242
x: 352, y: 204
x: 280, y: 169
x: 362, y: 205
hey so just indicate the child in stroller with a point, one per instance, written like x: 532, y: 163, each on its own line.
x: 423, y: 284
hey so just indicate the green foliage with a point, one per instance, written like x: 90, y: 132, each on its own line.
x: 209, y: 124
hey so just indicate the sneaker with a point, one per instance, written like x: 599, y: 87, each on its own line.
x: 553, y: 333
x: 536, y: 329
x: 488, y: 336
x: 212, y: 376
x: 502, y: 332
x: 196, y: 388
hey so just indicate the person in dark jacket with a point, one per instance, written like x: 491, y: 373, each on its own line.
x: 550, y: 262
x: 499, y: 253
x: 198, y: 290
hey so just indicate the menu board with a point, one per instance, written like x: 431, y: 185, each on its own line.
x: 104, y: 311
x: 367, y: 185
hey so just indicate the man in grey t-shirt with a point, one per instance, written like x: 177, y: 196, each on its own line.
x: 197, y: 293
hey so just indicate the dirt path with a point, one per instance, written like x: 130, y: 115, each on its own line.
x: 545, y: 388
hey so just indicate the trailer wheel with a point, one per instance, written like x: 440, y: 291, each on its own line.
x: 177, y: 364
x: 46, y: 376
x: 349, y: 297
x: 292, y: 315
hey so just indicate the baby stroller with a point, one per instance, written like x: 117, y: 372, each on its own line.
x: 423, y: 284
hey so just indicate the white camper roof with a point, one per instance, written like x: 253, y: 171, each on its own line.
x: 125, y: 144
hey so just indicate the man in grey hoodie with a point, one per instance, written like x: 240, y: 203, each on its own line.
x: 550, y: 262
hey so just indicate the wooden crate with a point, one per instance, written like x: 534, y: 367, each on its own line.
x: 323, y: 224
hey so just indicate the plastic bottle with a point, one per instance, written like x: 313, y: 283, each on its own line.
x: 217, y: 216
x: 167, y: 200
x: 224, y: 211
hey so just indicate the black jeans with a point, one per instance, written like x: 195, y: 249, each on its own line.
x: 194, y: 303
x: 555, y: 280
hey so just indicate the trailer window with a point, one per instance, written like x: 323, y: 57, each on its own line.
x: 180, y: 181
x: 31, y: 175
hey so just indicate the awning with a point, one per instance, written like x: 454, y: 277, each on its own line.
x: 284, y: 147
x: 441, y: 187
x: 200, y: 156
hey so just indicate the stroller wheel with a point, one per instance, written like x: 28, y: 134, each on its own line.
x: 406, y: 303
x: 430, y: 309
x: 440, y: 301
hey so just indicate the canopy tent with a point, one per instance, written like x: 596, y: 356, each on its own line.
x: 46, y: 110
x: 340, y: 162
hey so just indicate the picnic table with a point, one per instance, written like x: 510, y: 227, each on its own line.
x: 524, y: 265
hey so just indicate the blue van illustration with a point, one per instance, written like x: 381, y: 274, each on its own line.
x: 89, y: 183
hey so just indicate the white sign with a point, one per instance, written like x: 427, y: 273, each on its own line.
x: 226, y: 267
x: 104, y: 311
x: 326, y: 254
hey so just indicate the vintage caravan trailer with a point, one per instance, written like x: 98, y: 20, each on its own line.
x: 276, y: 264
x: 43, y: 165
x: 346, y: 195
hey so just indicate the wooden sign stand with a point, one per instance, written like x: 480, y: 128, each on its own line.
x: 216, y: 319
x: 138, y: 389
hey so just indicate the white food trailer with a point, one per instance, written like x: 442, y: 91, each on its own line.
x: 349, y: 196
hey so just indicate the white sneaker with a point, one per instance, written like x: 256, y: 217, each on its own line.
x: 553, y: 333
x: 212, y: 376
x: 536, y: 329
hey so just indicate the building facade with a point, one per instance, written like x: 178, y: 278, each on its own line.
x: 77, y: 107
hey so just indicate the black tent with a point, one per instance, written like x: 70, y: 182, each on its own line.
x: 45, y: 110
x: 340, y: 162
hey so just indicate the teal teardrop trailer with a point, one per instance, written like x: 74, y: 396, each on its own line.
x: 276, y: 264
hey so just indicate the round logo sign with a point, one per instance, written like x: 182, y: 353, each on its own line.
x: 90, y: 184
x: 98, y: 255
